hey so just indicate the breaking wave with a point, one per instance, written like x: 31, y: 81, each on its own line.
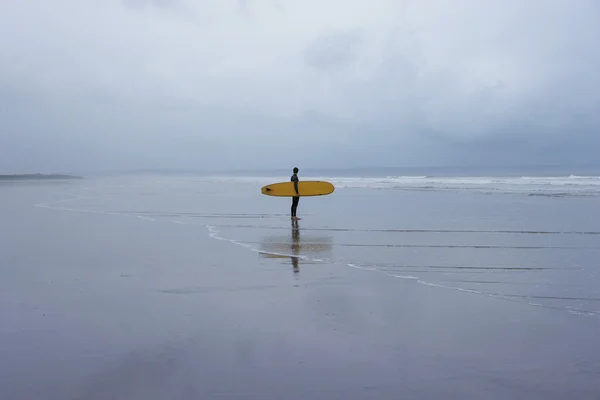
x: 551, y: 186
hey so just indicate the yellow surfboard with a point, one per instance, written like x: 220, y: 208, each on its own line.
x: 305, y: 188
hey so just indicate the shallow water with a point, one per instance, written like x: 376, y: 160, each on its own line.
x: 486, y: 246
x: 539, y: 250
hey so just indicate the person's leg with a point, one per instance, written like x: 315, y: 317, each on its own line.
x: 294, y: 206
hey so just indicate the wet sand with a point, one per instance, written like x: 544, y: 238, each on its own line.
x: 97, y: 305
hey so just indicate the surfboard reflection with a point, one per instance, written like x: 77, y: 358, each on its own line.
x: 296, y: 249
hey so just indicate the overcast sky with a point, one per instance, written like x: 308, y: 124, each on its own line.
x: 118, y: 84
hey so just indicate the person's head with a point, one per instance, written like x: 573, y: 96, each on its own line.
x: 295, y: 170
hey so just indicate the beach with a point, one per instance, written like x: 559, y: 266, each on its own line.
x: 199, y: 287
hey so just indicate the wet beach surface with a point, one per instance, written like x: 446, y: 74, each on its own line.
x: 185, y: 288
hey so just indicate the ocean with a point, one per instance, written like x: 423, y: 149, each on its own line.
x: 424, y: 286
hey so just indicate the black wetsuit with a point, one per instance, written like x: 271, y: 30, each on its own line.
x: 295, y: 199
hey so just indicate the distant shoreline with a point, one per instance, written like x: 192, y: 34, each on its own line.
x: 36, y: 177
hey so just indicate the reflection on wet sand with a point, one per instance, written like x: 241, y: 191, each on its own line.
x: 282, y: 247
x: 295, y: 246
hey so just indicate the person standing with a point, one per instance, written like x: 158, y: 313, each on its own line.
x: 295, y: 199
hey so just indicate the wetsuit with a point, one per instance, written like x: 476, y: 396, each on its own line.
x: 295, y: 199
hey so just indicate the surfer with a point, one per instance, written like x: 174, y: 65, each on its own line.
x: 295, y: 199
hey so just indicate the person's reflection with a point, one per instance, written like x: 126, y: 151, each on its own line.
x: 295, y: 246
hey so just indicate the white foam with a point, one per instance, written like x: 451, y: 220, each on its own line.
x: 549, y: 185
x: 47, y: 204
x: 361, y: 267
x: 214, y: 233
x: 146, y: 218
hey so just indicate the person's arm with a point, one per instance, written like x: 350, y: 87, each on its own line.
x: 296, y: 184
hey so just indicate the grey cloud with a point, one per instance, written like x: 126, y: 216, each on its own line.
x: 333, y: 50
x: 187, y: 84
x: 156, y: 3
